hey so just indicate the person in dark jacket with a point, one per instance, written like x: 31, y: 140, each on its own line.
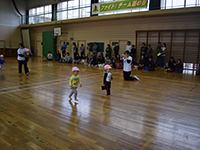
x: 149, y: 51
x: 58, y: 56
x: 116, y: 49
x: 142, y: 63
x: 178, y: 66
x: 143, y: 50
x: 108, y: 51
x: 133, y: 52
x: 75, y: 49
x: 171, y: 65
x: 158, y: 50
x: 150, y: 65
x: 101, y: 59
x: 198, y: 70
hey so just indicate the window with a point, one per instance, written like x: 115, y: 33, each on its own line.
x: 40, y: 14
x: 170, y: 4
x: 73, y: 9
x: 122, y: 11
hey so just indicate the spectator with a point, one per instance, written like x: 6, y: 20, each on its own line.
x: 143, y: 50
x: 128, y: 47
x: 108, y: 51
x: 178, y: 66
x: 198, y: 70
x: 95, y: 49
x: 150, y: 65
x: 49, y: 56
x: 149, y: 51
x: 118, y: 63
x: 158, y: 50
x: 82, y: 49
x: 58, y: 56
x: 171, y: 65
x: 83, y: 58
x: 113, y: 61
x: 162, y: 55
x: 68, y: 58
x: 108, y: 60
x: 101, y: 59
x: 75, y: 49
x: 76, y: 59
x: 133, y: 52
x: 142, y: 63
x: 116, y: 49
x: 88, y: 50
x: 63, y: 48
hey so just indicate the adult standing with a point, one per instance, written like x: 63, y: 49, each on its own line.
x: 128, y: 47
x: 116, y: 49
x: 95, y: 49
x: 21, y: 59
x: 133, y: 52
x: 143, y: 50
x: 82, y: 49
x: 162, y: 57
x: 127, y: 59
x: 108, y: 51
x: 88, y: 51
x: 158, y: 50
x: 75, y: 50
x: 63, y: 48
x: 149, y: 51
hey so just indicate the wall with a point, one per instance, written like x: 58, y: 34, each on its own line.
x: 10, y: 21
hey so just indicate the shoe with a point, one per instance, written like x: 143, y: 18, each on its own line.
x: 20, y: 74
x: 136, y: 78
x: 27, y: 73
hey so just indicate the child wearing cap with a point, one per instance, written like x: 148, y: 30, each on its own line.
x: 73, y: 83
x: 107, y: 78
x: 2, y: 61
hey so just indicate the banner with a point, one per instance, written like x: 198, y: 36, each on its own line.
x: 118, y: 5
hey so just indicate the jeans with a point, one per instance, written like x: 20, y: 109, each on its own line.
x: 162, y: 61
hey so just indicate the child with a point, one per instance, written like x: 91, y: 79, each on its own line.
x: 108, y: 51
x: 2, y: 61
x: 73, y: 83
x: 107, y: 61
x: 171, y: 65
x: 68, y: 58
x: 26, y: 54
x: 107, y: 78
x: 101, y: 59
x: 49, y: 56
x: 198, y: 71
x: 83, y: 58
x: 118, y: 63
x: 76, y: 59
x: 179, y: 67
x: 113, y: 61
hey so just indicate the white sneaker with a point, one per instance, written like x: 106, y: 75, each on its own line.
x: 136, y: 78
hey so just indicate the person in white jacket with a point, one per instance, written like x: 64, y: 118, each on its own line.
x: 128, y: 47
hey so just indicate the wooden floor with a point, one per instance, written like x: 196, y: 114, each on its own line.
x: 162, y: 111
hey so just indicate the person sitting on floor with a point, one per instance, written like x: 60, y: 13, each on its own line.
x: 150, y: 65
x: 113, y: 61
x: 198, y: 70
x: 91, y: 61
x: 142, y: 63
x: 101, y: 60
x: 107, y: 61
x: 178, y: 66
x: 83, y: 59
x: 118, y: 63
x: 58, y: 56
x: 68, y: 58
x: 76, y: 59
x: 49, y: 56
x: 171, y: 65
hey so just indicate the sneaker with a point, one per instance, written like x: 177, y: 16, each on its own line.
x: 136, y: 78
x: 20, y: 74
x: 27, y: 73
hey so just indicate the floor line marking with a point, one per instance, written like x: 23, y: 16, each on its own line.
x: 42, y: 82
x: 145, y: 145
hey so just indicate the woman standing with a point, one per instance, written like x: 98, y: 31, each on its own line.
x: 21, y: 59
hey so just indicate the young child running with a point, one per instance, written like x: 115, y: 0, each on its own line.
x: 2, y: 61
x: 107, y: 78
x: 73, y: 83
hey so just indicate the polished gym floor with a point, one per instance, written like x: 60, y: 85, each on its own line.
x: 162, y: 111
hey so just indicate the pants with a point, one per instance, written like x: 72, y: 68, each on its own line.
x: 20, y: 62
x: 74, y: 91
x: 162, y: 61
x: 63, y: 52
x: 140, y: 68
x: 108, y: 86
x: 157, y: 60
x: 82, y: 53
x: 74, y: 55
x: 127, y: 76
x: 149, y: 68
x: 1, y: 66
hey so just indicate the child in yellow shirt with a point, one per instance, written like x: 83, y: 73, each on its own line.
x: 73, y: 83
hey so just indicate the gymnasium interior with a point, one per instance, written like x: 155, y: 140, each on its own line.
x: 160, y: 111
